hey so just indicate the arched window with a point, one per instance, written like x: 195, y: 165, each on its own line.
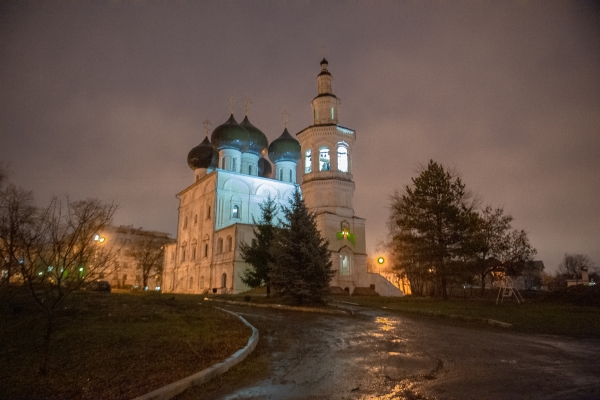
x: 183, y: 253
x: 201, y: 284
x: 332, y: 113
x: 235, y: 211
x: 229, y: 243
x: 342, y: 158
x: 220, y: 246
x: 206, y: 250
x: 193, y: 253
x: 207, y: 212
x: 344, y: 263
x: 191, y: 282
x: 324, y: 162
x: 308, y: 161
x: 224, y: 280
x: 249, y: 169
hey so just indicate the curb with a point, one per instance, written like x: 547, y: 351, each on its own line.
x: 282, y: 307
x: 175, y: 388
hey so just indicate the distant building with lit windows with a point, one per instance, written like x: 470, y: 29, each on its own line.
x: 232, y: 177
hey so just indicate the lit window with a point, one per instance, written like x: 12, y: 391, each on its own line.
x: 332, y: 113
x: 342, y: 159
x: 308, y: 161
x: 344, y: 264
x: 324, y: 159
x: 235, y: 211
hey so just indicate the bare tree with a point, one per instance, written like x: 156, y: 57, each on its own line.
x: 17, y: 220
x: 149, y: 256
x: 571, y: 265
x: 61, y: 253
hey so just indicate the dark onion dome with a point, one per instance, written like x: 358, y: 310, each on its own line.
x: 258, y: 141
x: 201, y: 156
x: 324, y: 65
x: 230, y: 135
x: 265, y: 169
x: 284, y: 148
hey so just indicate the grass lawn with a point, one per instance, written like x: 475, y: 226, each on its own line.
x: 542, y: 317
x: 111, y: 345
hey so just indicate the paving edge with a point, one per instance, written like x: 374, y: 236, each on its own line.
x: 175, y: 388
x: 455, y: 316
x: 283, y: 307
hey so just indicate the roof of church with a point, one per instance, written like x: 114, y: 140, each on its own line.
x: 284, y: 148
x: 201, y: 156
x: 258, y: 141
x: 230, y: 135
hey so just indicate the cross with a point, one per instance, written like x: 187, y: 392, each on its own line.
x: 286, y: 117
x: 207, y: 125
x: 232, y: 101
x: 247, y: 103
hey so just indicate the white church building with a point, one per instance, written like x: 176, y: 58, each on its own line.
x: 232, y: 177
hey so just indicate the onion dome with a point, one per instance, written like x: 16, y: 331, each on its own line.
x: 265, y: 169
x: 284, y: 148
x: 201, y: 156
x: 258, y: 141
x: 230, y: 135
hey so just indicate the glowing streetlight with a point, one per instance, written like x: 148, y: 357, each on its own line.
x: 380, y: 260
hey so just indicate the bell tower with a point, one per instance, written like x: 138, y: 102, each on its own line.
x: 327, y: 185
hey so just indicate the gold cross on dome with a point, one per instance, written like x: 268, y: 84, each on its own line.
x: 232, y: 101
x: 247, y: 103
x: 286, y: 117
x: 207, y: 125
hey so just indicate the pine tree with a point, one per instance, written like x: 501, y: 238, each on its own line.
x: 257, y: 254
x: 301, y: 271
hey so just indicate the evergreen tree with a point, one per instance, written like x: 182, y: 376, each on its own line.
x: 302, y: 264
x: 257, y: 254
x: 431, y: 218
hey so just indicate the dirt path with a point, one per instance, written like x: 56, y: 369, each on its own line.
x: 380, y: 355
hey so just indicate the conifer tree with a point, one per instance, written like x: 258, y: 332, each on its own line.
x: 301, y: 271
x: 257, y: 253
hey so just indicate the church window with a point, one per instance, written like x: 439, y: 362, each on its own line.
x: 195, y: 219
x: 235, y: 211
x: 191, y: 282
x: 342, y: 158
x: 290, y: 176
x: 344, y: 264
x: 224, y: 280
x: 193, y: 253
x: 316, y: 115
x: 249, y: 169
x: 308, y: 161
x: 223, y: 163
x: 220, y: 246
x: 324, y: 162
x: 229, y: 243
x: 206, y: 250
x: 183, y: 254
x: 332, y: 113
x: 207, y: 212
x: 185, y: 222
x: 201, y: 283
x: 234, y: 164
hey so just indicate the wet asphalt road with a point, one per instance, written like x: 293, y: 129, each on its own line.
x: 381, y: 355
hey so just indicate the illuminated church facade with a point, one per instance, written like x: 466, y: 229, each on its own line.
x: 232, y: 177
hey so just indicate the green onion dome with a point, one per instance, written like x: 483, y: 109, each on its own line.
x: 265, y: 169
x: 230, y: 135
x: 284, y: 148
x: 201, y: 156
x: 258, y: 141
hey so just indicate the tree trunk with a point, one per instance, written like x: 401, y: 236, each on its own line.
x: 46, y: 345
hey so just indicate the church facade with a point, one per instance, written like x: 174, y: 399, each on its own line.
x: 232, y: 177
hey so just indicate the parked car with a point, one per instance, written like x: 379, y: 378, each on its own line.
x: 99, y: 286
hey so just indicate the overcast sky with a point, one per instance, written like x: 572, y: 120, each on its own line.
x: 105, y: 99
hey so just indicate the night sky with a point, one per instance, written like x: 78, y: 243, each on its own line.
x: 105, y: 99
